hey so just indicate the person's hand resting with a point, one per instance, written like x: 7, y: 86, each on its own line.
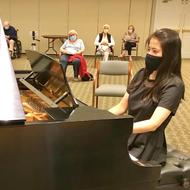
x: 104, y: 43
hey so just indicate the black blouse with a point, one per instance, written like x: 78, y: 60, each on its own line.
x: 151, y: 146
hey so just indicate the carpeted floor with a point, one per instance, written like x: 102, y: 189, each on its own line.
x: 178, y: 131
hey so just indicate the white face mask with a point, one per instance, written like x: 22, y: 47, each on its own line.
x: 106, y: 31
x: 130, y: 31
x: 6, y: 27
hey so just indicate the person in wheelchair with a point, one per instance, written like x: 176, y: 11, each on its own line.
x: 104, y: 43
x: 11, y: 36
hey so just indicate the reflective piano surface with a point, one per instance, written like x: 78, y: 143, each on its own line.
x: 46, y: 94
x: 64, y: 144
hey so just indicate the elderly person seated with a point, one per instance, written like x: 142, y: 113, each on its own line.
x: 11, y: 35
x: 130, y: 40
x: 104, y: 43
x: 71, y: 52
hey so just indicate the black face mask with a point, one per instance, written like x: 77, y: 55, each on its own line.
x: 152, y: 62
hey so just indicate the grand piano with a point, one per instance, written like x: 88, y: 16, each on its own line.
x: 51, y: 141
x: 61, y: 143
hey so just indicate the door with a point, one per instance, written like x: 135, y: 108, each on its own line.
x: 175, y: 14
x: 185, y: 31
x: 168, y: 14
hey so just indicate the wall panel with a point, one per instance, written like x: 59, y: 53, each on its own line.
x: 87, y: 17
x: 53, y: 20
x: 5, y: 10
x: 83, y: 16
x: 116, y: 14
x: 140, y: 16
x: 25, y: 16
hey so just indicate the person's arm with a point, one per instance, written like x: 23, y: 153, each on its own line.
x: 96, y: 42
x: 121, y: 107
x: 112, y: 43
x: 170, y: 99
x: 63, y: 48
x: 159, y: 116
x: 13, y: 33
x: 63, y: 51
x: 135, y: 38
x: 82, y: 48
x: 126, y: 37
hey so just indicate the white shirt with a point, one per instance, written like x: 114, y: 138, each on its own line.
x: 72, y: 48
x: 104, y: 38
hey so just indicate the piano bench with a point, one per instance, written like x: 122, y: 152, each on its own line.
x: 175, y: 175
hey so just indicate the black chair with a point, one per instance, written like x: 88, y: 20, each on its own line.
x: 17, y: 49
x: 175, y: 175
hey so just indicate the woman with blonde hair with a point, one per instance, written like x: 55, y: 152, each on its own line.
x: 104, y: 42
x: 72, y: 46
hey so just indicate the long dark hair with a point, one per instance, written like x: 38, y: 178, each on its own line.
x: 171, y: 62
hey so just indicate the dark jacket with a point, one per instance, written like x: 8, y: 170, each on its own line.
x: 11, y: 32
x: 108, y: 37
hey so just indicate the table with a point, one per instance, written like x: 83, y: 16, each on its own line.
x: 51, y: 40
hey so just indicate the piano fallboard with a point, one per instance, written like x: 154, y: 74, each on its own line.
x: 75, y: 154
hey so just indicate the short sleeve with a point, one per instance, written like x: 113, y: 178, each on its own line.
x: 137, y: 77
x: 81, y: 44
x: 171, y: 95
x: 64, y: 44
x: 96, y: 42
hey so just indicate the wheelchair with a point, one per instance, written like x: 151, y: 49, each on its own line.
x: 17, y: 50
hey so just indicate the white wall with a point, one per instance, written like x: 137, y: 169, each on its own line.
x: 87, y: 17
x: 174, y: 14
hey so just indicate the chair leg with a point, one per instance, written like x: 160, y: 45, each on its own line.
x: 95, y: 59
x: 96, y: 101
x: 93, y: 100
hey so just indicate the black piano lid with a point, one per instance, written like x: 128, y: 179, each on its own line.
x: 11, y: 110
x: 49, y: 76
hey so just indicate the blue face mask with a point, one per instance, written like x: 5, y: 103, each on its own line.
x: 73, y: 38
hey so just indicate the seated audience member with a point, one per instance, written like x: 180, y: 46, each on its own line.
x: 104, y: 42
x: 130, y: 39
x: 153, y: 96
x: 11, y: 35
x: 71, y: 52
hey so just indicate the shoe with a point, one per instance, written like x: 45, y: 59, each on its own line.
x: 76, y: 79
x: 120, y: 56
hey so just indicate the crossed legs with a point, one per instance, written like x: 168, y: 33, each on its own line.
x: 128, y: 48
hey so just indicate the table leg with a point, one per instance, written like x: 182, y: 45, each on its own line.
x: 51, y: 45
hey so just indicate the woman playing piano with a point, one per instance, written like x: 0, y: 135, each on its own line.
x: 153, y: 96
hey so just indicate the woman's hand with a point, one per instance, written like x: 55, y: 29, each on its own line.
x: 104, y: 43
x: 63, y: 51
x: 120, y: 108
